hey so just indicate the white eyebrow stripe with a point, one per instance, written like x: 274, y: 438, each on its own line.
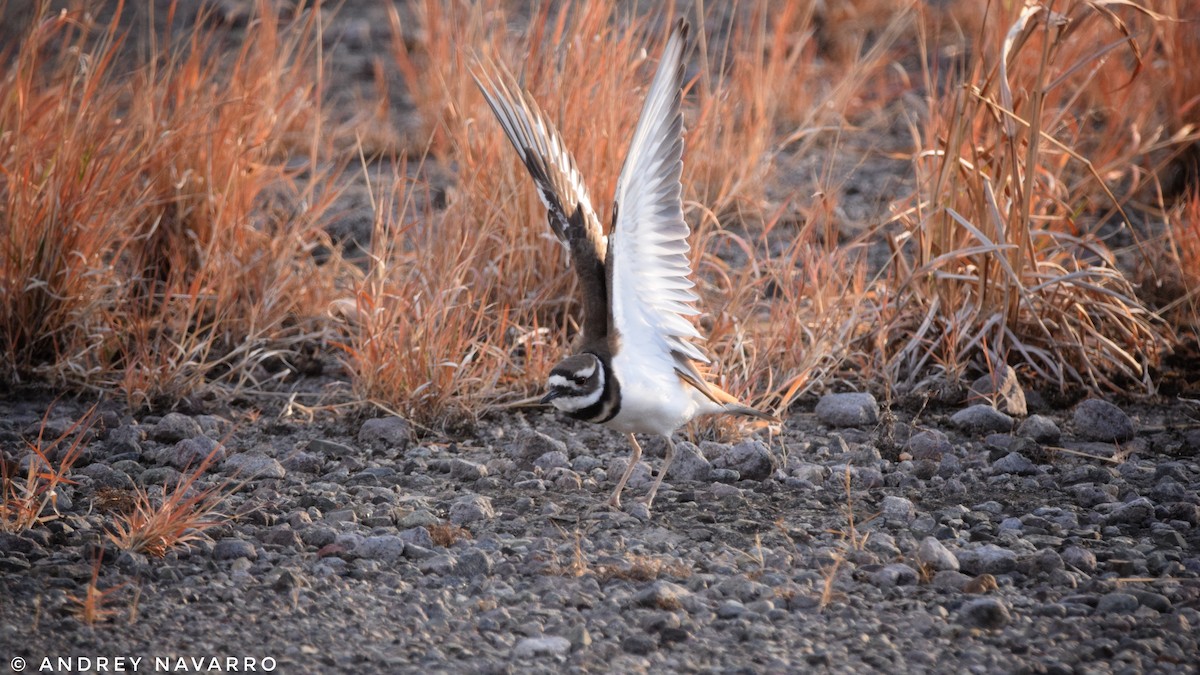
x: 558, y: 381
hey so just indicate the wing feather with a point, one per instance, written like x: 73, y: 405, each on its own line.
x: 650, y: 284
x: 561, y: 187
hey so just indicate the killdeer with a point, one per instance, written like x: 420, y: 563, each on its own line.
x: 636, y: 368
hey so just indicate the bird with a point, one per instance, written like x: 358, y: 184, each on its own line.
x: 636, y: 366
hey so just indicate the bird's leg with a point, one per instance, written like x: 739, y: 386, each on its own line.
x: 663, y: 473
x: 615, y: 500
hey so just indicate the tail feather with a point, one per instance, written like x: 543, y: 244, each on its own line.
x: 739, y: 409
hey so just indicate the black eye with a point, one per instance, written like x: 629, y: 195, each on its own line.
x: 578, y: 380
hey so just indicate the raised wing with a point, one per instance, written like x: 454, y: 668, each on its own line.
x: 651, y: 291
x: 562, y: 190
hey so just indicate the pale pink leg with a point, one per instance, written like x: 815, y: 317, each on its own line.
x: 615, y: 500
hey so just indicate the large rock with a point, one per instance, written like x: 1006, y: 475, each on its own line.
x: 848, y: 410
x: 1098, y: 420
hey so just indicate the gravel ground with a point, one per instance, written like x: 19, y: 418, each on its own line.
x: 1046, y: 546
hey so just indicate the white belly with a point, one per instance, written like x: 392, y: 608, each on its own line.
x: 654, y: 400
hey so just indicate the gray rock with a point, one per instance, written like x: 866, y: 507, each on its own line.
x: 533, y: 647
x: 987, y: 613
x: 662, y: 594
x: 751, y: 458
x: 934, y: 555
x: 982, y: 418
x: 898, y: 508
x: 191, y: 452
x: 564, y: 479
x: 1080, y: 558
x: 531, y: 444
x: 848, y: 410
x: 471, y: 509
x: 987, y: 559
x: 639, y: 644
x: 160, y: 475
x: 1099, y: 420
x: 1117, y: 603
x: 1014, y: 463
x: 381, y: 547
x: 1155, y: 601
x: 552, y: 460
x: 640, y: 477
x: 318, y: 536
x: 390, y: 433
x: 175, y: 427
x: 253, y: 467
x: 930, y: 444
x: 303, y: 462
x: 1040, y: 429
x: 467, y: 471
x: 895, y: 574
x: 416, y: 535
x: 1002, y: 388
x: 950, y: 580
x: 329, y: 449
x: 690, y: 464
x: 474, y: 563
x: 1134, y: 512
x: 441, y: 564
x: 231, y: 549
x: 730, y: 609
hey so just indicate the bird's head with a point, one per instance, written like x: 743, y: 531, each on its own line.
x: 577, y: 382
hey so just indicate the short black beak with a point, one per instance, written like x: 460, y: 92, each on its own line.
x: 550, y: 396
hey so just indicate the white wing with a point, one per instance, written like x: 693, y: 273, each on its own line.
x: 651, y: 293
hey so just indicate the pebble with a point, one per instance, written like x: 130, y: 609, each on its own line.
x: 987, y: 558
x: 1015, y: 463
x: 752, y: 459
x: 530, y: 445
x: 934, y: 555
x: 986, y: 613
x: 848, y: 410
x: 898, y: 508
x: 1117, y: 603
x: 895, y: 574
x: 381, y: 547
x: 662, y: 594
x: 188, y: 453
x: 303, y: 462
x: 1098, y: 420
x: 390, y: 433
x: 1040, y: 429
x: 931, y: 444
x: 1080, y: 558
x: 689, y: 464
x: 470, y: 509
x: 467, y: 471
x: 552, y: 460
x: 175, y: 427
x: 253, y: 467
x: 533, y: 647
x: 1134, y: 512
x: 230, y: 549
x: 981, y: 418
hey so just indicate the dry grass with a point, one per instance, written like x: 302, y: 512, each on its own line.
x: 140, y: 253
x: 32, y: 501
x: 154, y: 525
x: 93, y: 606
x: 158, y: 221
x: 999, y: 261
